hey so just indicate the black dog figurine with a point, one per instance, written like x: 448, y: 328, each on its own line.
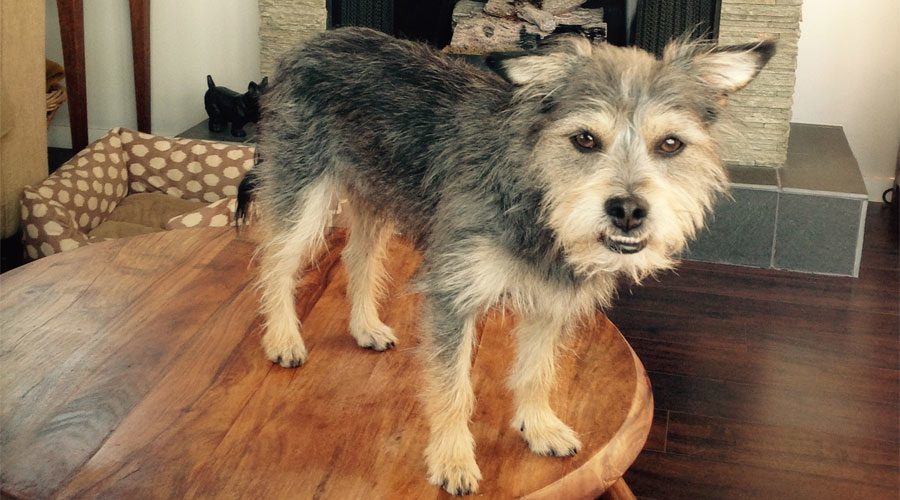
x: 225, y: 106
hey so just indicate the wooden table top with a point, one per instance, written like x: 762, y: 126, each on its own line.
x: 133, y: 368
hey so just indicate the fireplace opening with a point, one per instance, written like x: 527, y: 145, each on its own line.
x: 425, y: 21
x: 645, y: 23
x: 658, y: 21
x: 431, y: 21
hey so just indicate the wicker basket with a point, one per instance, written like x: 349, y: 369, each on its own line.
x: 55, y: 99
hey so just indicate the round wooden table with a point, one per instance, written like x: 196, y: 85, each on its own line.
x: 132, y: 368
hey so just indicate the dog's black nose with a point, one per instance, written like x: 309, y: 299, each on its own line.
x: 627, y: 212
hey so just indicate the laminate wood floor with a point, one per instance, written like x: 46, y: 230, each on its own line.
x: 771, y: 384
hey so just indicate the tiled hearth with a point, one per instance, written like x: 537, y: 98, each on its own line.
x: 805, y: 216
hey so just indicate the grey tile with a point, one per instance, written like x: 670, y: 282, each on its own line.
x: 820, y: 160
x: 740, y: 231
x: 818, y: 234
x: 813, y: 139
x: 759, y: 177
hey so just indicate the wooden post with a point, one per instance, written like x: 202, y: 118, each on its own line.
x: 71, y: 28
x: 140, y: 49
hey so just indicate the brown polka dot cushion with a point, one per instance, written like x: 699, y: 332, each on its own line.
x: 48, y: 227
x: 152, y: 209
x: 60, y: 213
x: 216, y: 214
x: 185, y: 168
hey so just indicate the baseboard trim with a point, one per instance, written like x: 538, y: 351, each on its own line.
x: 876, y: 186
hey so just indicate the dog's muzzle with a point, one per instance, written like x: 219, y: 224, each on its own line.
x: 627, y: 214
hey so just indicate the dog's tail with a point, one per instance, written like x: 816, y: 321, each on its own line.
x: 246, y: 192
x: 210, y: 82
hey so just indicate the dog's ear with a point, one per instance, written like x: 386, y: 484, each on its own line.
x: 551, y: 61
x: 726, y: 69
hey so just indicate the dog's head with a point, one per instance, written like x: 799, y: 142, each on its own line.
x: 624, y: 144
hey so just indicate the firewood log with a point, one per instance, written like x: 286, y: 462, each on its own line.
x: 500, y: 8
x: 541, y: 18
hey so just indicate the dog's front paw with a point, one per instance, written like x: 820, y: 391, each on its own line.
x: 457, y: 477
x: 289, y: 353
x: 548, y: 435
x: 378, y: 338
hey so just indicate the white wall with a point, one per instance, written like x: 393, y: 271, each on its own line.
x: 188, y: 40
x: 848, y: 73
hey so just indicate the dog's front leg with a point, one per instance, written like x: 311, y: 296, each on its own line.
x: 532, y: 378
x: 449, y: 399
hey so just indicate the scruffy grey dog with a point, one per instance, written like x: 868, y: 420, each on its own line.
x: 535, y: 187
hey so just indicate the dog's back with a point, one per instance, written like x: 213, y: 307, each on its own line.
x: 388, y: 117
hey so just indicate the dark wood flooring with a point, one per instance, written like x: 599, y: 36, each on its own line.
x: 771, y: 384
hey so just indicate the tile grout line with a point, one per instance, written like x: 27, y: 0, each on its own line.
x: 860, y: 235
x: 775, y: 231
x: 826, y: 194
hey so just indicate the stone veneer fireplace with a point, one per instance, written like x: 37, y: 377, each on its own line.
x: 764, y: 107
x: 285, y: 23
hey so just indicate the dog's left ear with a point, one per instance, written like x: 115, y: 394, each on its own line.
x: 552, y: 60
x: 726, y: 69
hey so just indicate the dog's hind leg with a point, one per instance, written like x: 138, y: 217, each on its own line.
x: 449, y: 399
x: 532, y: 378
x: 364, y: 259
x: 289, y: 247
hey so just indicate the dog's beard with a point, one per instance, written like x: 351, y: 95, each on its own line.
x: 594, y: 246
x: 593, y: 258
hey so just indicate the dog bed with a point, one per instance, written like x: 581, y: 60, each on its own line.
x: 129, y: 183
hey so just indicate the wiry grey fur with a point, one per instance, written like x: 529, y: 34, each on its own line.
x: 480, y: 170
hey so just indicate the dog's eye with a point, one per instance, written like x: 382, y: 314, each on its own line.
x: 670, y: 146
x: 586, y: 142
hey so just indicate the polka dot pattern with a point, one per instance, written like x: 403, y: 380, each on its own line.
x: 49, y: 226
x: 58, y: 213
x: 200, y: 170
x: 216, y: 214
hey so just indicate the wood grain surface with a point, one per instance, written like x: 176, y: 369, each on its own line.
x: 133, y: 369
